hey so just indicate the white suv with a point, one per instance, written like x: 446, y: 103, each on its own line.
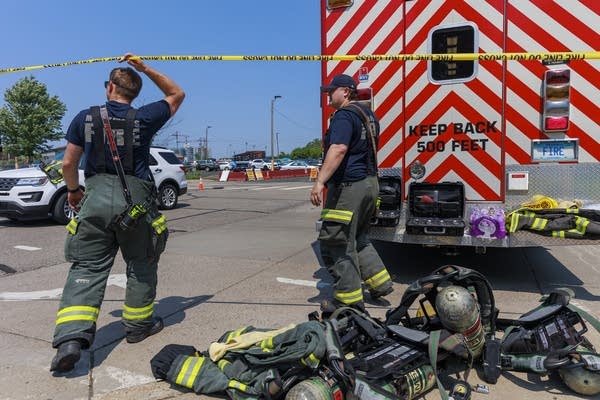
x: 28, y: 194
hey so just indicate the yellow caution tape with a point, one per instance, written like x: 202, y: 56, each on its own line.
x: 555, y: 56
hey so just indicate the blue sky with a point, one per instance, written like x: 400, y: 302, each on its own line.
x: 233, y: 97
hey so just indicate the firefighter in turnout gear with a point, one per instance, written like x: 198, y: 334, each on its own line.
x: 350, y: 173
x: 118, y: 211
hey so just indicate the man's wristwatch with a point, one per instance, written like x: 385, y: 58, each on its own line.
x: 73, y: 190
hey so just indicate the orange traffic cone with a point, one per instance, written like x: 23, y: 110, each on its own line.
x: 201, y: 184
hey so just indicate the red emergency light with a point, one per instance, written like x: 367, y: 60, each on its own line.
x: 556, y: 123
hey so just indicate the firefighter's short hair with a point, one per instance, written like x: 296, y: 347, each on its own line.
x: 127, y: 81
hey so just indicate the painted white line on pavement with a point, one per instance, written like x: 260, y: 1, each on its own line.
x: 298, y: 187
x: 127, y: 378
x: 301, y: 282
x: 119, y: 280
x: 28, y: 248
x: 267, y: 187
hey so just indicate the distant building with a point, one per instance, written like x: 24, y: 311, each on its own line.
x: 249, y: 155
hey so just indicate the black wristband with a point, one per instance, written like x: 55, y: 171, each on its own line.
x: 73, y: 190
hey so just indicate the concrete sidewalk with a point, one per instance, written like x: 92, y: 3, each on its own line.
x: 207, y: 286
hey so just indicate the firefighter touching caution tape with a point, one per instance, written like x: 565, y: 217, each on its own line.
x: 350, y: 173
x: 118, y: 211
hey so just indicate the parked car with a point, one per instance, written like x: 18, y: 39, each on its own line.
x: 224, y: 165
x: 241, y: 166
x: 207, y: 165
x: 28, y: 193
x: 169, y: 176
x: 259, y: 163
x: 297, y: 165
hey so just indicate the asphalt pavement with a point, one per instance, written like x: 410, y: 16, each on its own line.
x: 251, y: 266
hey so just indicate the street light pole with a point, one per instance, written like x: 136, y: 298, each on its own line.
x: 273, y: 133
x: 206, y: 142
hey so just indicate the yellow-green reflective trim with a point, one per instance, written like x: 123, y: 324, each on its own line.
x: 558, y: 234
x: 137, y: 316
x: 581, y: 224
x: 160, y: 224
x: 340, y: 215
x: 310, y: 361
x: 222, y: 363
x: 514, y: 222
x: 349, y: 297
x: 183, y: 370
x: 238, y: 385
x: 235, y: 334
x: 140, y: 309
x: 71, y: 227
x: 267, y: 344
x: 134, y: 313
x: 572, y: 210
x: 378, y: 279
x: 539, y: 224
x: 76, y: 318
x: 190, y: 380
x: 90, y: 309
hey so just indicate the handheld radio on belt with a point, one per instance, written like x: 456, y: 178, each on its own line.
x: 127, y: 219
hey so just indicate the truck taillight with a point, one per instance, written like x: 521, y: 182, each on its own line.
x: 333, y: 4
x: 556, y: 92
x: 365, y: 96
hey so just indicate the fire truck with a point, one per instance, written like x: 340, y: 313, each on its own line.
x: 506, y: 130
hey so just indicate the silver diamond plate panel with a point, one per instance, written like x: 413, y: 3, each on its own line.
x: 562, y: 182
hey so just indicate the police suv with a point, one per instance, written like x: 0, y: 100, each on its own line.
x: 29, y: 194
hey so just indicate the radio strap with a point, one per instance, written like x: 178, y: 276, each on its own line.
x: 355, y: 108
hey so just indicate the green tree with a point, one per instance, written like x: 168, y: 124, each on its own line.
x: 313, y: 149
x: 30, y: 118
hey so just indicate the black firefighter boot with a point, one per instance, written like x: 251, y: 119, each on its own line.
x: 137, y: 335
x: 66, y: 357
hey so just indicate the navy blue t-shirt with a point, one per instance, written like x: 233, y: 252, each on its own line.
x: 347, y: 128
x: 151, y: 118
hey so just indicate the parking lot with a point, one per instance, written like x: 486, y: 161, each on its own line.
x: 239, y: 254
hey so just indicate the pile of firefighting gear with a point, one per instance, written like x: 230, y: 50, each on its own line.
x: 560, y: 219
x: 348, y: 354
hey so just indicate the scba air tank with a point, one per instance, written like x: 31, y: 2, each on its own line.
x: 315, y: 388
x: 459, y: 312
